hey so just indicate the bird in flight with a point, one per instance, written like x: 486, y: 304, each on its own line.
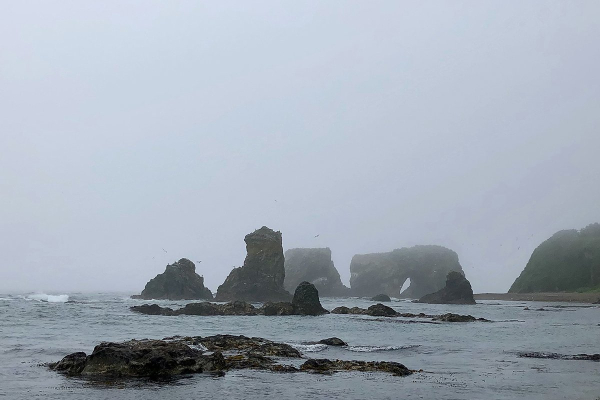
x: 316, y: 236
x: 164, y: 250
x: 198, y: 261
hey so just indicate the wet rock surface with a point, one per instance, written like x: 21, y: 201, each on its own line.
x: 313, y: 265
x: 170, y: 357
x: 557, y: 356
x: 381, y: 310
x: 381, y: 297
x: 457, y: 291
x: 333, y: 341
x: 179, y: 282
x: 426, y: 266
x: 261, y: 277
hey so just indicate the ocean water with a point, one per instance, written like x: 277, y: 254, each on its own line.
x: 459, y: 360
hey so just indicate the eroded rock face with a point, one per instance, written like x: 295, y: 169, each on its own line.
x: 261, y: 277
x: 457, y: 291
x: 323, y: 365
x: 426, y: 266
x: 314, y: 266
x: 179, y: 282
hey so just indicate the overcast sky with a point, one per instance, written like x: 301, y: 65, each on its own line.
x: 129, y: 127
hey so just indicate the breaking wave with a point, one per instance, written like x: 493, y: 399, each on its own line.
x: 309, y: 348
x: 371, y: 349
x: 48, y: 298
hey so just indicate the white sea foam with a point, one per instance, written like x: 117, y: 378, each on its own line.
x: 309, y: 348
x: 370, y: 349
x: 199, y: 346
x: 49, y: 298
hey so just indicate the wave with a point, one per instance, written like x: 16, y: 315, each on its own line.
x: 309, y: 348
x: 6, y: 299
x: 370, y: 349
x: 48, y: 298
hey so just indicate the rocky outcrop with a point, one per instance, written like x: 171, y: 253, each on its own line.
x: 569, y: 261
x: 425, y: 266
x: 179, y: 282
x: 261, y: 277
x: 557, y: 356
x: 314, y: 266
x: 457, y: 291
x: 381, y: 297
x: 160, y: 359
x: 380, y: 310
x: 305, y: 302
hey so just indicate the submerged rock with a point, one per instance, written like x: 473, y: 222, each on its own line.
x: 159, y: 359
x: 262, y: 275
x: 425, y: 266
x: 179, y: 282
x: 333, y: 341
x: 457, y: 291
x: 449, y: 317
x: 557, y: 356
x: 323, y: 365
x: 314, y: 266
x: 381, y: 297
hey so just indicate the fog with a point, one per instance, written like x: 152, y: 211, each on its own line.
x: 136, y: 133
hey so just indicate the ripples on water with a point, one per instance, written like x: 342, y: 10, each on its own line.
x: 459, y: 361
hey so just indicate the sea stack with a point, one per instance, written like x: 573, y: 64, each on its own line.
x: 314, y: 266
x: 457, y: 291
x: 569, y: 261
x: 261, y: 277
x: 179, y: 282
x: 425, y: 266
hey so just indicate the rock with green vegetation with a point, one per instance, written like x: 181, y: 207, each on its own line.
x: 261, y: 277
x: 179, y: 282
x: 425, y: 266
x: 314, y: 266
x: 567, y: 262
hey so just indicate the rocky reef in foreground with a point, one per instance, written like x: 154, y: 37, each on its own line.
x: 457, y: 291
x: 261, y: 277
x: 313, y: 265
x: 425, y: 266
x: 179, y: 282
x: 569, y: 261
x: 170, y: 357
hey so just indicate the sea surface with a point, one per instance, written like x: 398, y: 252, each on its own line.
x: 475, y: 360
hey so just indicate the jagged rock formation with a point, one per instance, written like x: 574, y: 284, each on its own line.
x: 567, y: 262
x: 305, y: 302
x: 426, y: 266
x: 261, y: 277
x: 160, y: 359
x: 314, y: 266
x: 380, y: 310
x: 179, y: 282
x: 457, y: 291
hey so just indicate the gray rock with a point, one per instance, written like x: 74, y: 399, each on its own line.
x: 306, y: 300
x: 314, y: 266
x: 179, y: 282
x: 261, y: 277
x: 426, y: 266
x: 457, y: 291
x: 381, y: 297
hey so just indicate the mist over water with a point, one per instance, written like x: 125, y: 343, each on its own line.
x: 126, y: 146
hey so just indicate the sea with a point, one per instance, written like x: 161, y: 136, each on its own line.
x: 476, y: 360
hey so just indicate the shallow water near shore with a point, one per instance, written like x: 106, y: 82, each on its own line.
x: 459, y: 360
